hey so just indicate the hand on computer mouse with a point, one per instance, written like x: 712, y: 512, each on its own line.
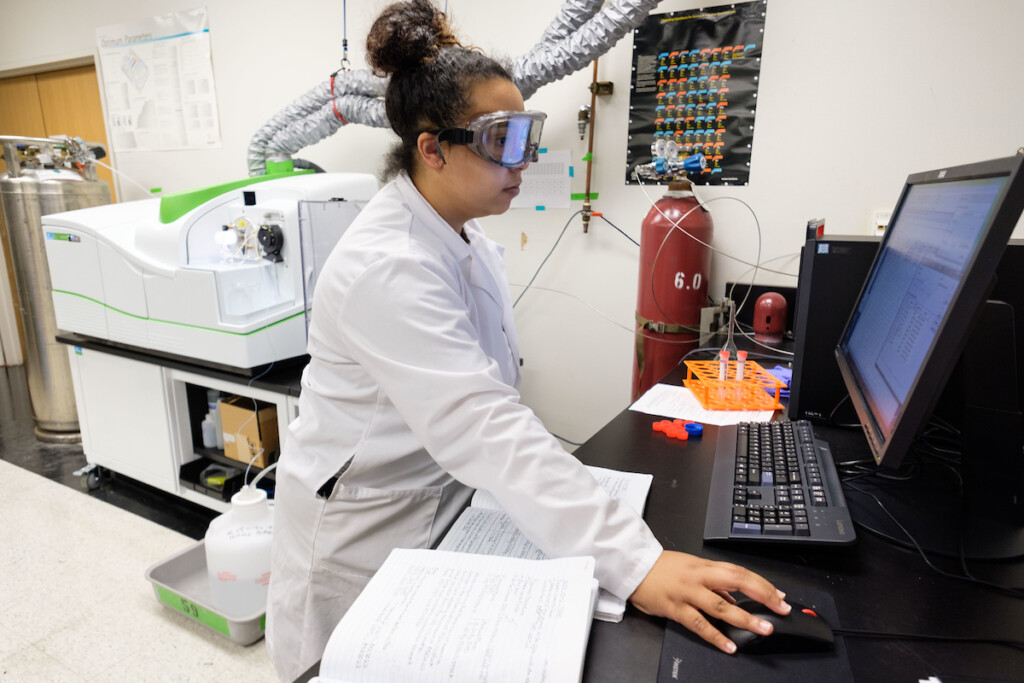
x: 685, y: 588
x: 801, y: 631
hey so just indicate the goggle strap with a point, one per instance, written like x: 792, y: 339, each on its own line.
x: 456, y: 136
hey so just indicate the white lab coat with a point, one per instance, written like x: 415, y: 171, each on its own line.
x: 410, y: 400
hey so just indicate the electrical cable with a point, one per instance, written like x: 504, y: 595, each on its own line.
x: 675, y: 225
x: 832, y: 415
x: 856, y: 633
x: 562, y: 438
x: 601, y: 216
x: 1010, y: 591
x: 551, y: 251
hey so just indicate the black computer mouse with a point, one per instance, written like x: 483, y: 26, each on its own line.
x: 802, y: 630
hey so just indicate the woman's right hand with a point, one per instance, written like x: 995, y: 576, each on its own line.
x: 688, y: 589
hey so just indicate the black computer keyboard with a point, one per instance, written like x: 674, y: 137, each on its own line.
x: 775, y: 482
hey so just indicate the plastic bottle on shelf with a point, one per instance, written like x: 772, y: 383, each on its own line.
x: 213, y: 405
x: 238, y: 554
x: 209, y: 432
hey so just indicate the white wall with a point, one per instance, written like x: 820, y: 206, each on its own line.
x: 854, y: 96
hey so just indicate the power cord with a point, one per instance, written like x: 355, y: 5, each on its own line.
x: 562, y: 438
x: 967, y: 578
x: 551, y: 251
x: 883, y: 635
x: 601, y: 216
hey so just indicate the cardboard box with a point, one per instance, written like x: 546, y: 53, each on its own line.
x: 245, y: 433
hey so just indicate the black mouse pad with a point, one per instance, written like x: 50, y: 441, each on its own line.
x: 686, y: 657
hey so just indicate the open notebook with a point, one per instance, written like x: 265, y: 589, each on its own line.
x: 484, y: 529
x: 431, y: 616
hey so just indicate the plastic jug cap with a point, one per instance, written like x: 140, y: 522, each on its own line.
x: 248, y: 496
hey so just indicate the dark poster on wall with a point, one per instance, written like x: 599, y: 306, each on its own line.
x: 694, y: 83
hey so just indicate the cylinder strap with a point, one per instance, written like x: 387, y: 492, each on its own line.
x: 664, y: 328
x: 659, y: 327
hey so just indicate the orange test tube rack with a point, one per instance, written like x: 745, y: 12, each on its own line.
x: 758, y: 390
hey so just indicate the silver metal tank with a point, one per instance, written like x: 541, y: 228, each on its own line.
x: 45, y: 175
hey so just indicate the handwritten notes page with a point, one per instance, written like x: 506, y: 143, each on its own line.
x: 429, y: 615
x: 485, y: 529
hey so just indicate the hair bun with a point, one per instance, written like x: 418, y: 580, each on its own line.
x: 407, y: 35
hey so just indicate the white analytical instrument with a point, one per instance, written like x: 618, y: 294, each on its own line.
x: 223, y: 274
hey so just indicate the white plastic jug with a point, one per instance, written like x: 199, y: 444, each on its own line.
x: 238, y: 554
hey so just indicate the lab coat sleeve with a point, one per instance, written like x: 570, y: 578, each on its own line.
x: 406, y: 320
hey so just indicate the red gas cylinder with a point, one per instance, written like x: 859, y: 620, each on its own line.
x: 673, y: 284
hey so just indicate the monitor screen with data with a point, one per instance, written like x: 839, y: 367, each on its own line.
x: 933, y: 271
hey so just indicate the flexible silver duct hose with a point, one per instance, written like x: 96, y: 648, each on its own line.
x: 576, y: 37
x: 570, y: 17
x: 311, y: 118
x: 552, y: 61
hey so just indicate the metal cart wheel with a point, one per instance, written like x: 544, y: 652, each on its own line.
x: 94, y: 478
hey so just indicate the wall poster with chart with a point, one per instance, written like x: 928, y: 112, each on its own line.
x: 695, y: 78
x: 157, y: 77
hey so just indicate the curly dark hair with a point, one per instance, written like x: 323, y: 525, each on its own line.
x: 431, y: 74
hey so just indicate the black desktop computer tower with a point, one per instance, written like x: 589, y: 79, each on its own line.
x: 832, y: 272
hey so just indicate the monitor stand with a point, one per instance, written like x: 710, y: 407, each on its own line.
x: 976, y: 509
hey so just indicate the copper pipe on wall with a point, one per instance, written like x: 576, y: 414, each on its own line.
x: 590, y: 148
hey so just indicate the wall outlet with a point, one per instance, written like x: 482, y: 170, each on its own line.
x: 881, y: 222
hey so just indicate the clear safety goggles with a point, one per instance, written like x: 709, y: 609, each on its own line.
x: 508, y: 138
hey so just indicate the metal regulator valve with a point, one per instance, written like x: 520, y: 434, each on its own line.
x: 665, y: 162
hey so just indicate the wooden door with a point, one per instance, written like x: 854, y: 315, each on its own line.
x: 70, y: 101
x: 63, y: 102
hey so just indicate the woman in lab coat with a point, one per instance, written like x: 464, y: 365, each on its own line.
x: 409, y: 400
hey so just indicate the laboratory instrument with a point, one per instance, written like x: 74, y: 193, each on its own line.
x: 222, y: 275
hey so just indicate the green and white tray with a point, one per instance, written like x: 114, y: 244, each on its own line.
x: 180, y: 583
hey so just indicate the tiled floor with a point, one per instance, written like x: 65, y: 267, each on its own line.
x: 57, y: 462
x: 76, y: 602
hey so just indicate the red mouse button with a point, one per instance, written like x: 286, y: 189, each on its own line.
x: 809, y: 611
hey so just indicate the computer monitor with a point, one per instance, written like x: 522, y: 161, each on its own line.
x: 918, y: 307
